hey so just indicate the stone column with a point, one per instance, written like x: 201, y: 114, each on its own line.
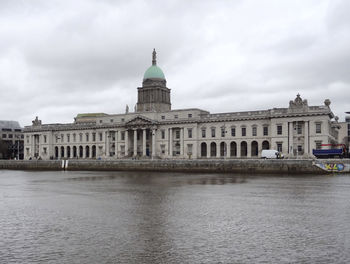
x: 290, y: 139
x: 218, y: 150
x: 228, y: 149
x: 126, y: 137
x: 170, y: 142
x: 135, y: 142
x: 249, y: 149
x: 208, y: 150
x: 153, y: 143
x: 144, y: 142
x: 107, y: 140
x: 182, y: 142
x: 306, y: 138
x: 238, y: 144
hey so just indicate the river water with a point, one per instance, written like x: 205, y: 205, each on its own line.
x: 144, y: 217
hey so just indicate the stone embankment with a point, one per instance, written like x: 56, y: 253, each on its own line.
x: 287, y: 166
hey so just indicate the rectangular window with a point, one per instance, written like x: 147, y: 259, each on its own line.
x: 233, y: 131
x: 100, y: 121
x: 45, y: 150
x: 177, y: 134
x: 74, y: 137
x: 299, y: 128
x: 223, y: 132
x: 123, y: 119
x: 45, y: 139
x: 94, y: 137
x: 28, y: 139
x: 87, y: 137
x: 62, y: 137
x: 111, y: 120
x: 266, y: 130
x: 80, y: 137
x: 163, y: 117
x: 318, y: 128
x: 279, y: 147
x: 189, y: 149
x: 254, y: 131
x: 100, y: 135
x: 244, y: 131
x: 68, y: 138
x: 300, y: 148
x: 4, y: 135
x: 189, y: 132
x: 279, y: 129
x: 189, y: 115
x: 204, y: 133
x: 163, y: 133
x: 10, y: 136
x: 213, y: 132
x: 122, y: 135
x: 176, y: 116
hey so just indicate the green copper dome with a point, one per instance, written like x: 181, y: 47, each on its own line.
x: 154, y: 72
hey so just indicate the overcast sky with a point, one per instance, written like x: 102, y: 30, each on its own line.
x: 60, y: 58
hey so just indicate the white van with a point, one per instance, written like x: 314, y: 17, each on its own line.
x: 271, y: 154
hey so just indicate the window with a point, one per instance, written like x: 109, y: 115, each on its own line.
x: 204, y: 132
x: 279, y: 146
x: 223, y: 132
x: 68, y: 138
x: 10, y: 136
x: 265, y: 130
x: 318, y: 144
x: 87, y: 137
x: 279, y: 129
x: 94, y: 137
x: 100, y: 121
x: 74, y: 137
x: 299, y: 128
x: 123, y: 119
x: 233, y: 131
x: 28, y: 139
x: 45, y: 150
x: 300, y: 148
x: 122, y: 135
x: 100, y: 135
x: 189, y: 115
x: 45, y: 139
x: 22, y: 136
x: 111, y: 120
x: 213, y: 132
x: 176, y: 116
x: 189, y: 132
x: 4, y: 135
x: 62, y: 137
x: 318, y: 128
x: 162, y: 148
x: 163, y: 117
x: 177, y: 134
x: 80, y: 137
x: 163, y: 133
x: 254, y: 131
x: 244, y: 131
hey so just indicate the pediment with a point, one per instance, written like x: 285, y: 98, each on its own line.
x: 140, y: 121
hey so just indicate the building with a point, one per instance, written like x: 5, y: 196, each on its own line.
x: 11, y: 142
x: 344, y: 131
x: 155, y: 130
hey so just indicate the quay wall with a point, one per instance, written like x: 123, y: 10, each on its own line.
x: 286, y: 166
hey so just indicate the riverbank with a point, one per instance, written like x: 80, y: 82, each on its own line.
x: 289, y: 166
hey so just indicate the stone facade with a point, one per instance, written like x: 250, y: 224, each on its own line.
x: 156, y: 131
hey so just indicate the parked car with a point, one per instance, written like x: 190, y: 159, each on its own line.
x: 271, y: 154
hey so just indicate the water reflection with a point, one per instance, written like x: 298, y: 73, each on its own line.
x: 134, y: 217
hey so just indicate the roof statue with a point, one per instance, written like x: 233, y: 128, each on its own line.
x: 36, y: 122
x: 298, y: 104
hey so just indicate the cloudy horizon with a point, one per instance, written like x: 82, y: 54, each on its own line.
x: 61, y: 58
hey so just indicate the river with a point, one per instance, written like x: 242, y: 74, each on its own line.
x: 149, y: 217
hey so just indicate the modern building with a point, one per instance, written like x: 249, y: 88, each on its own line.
x: 154, y: 130
x: 11, y: 141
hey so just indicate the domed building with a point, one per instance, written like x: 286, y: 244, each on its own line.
x: 154, y: 130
